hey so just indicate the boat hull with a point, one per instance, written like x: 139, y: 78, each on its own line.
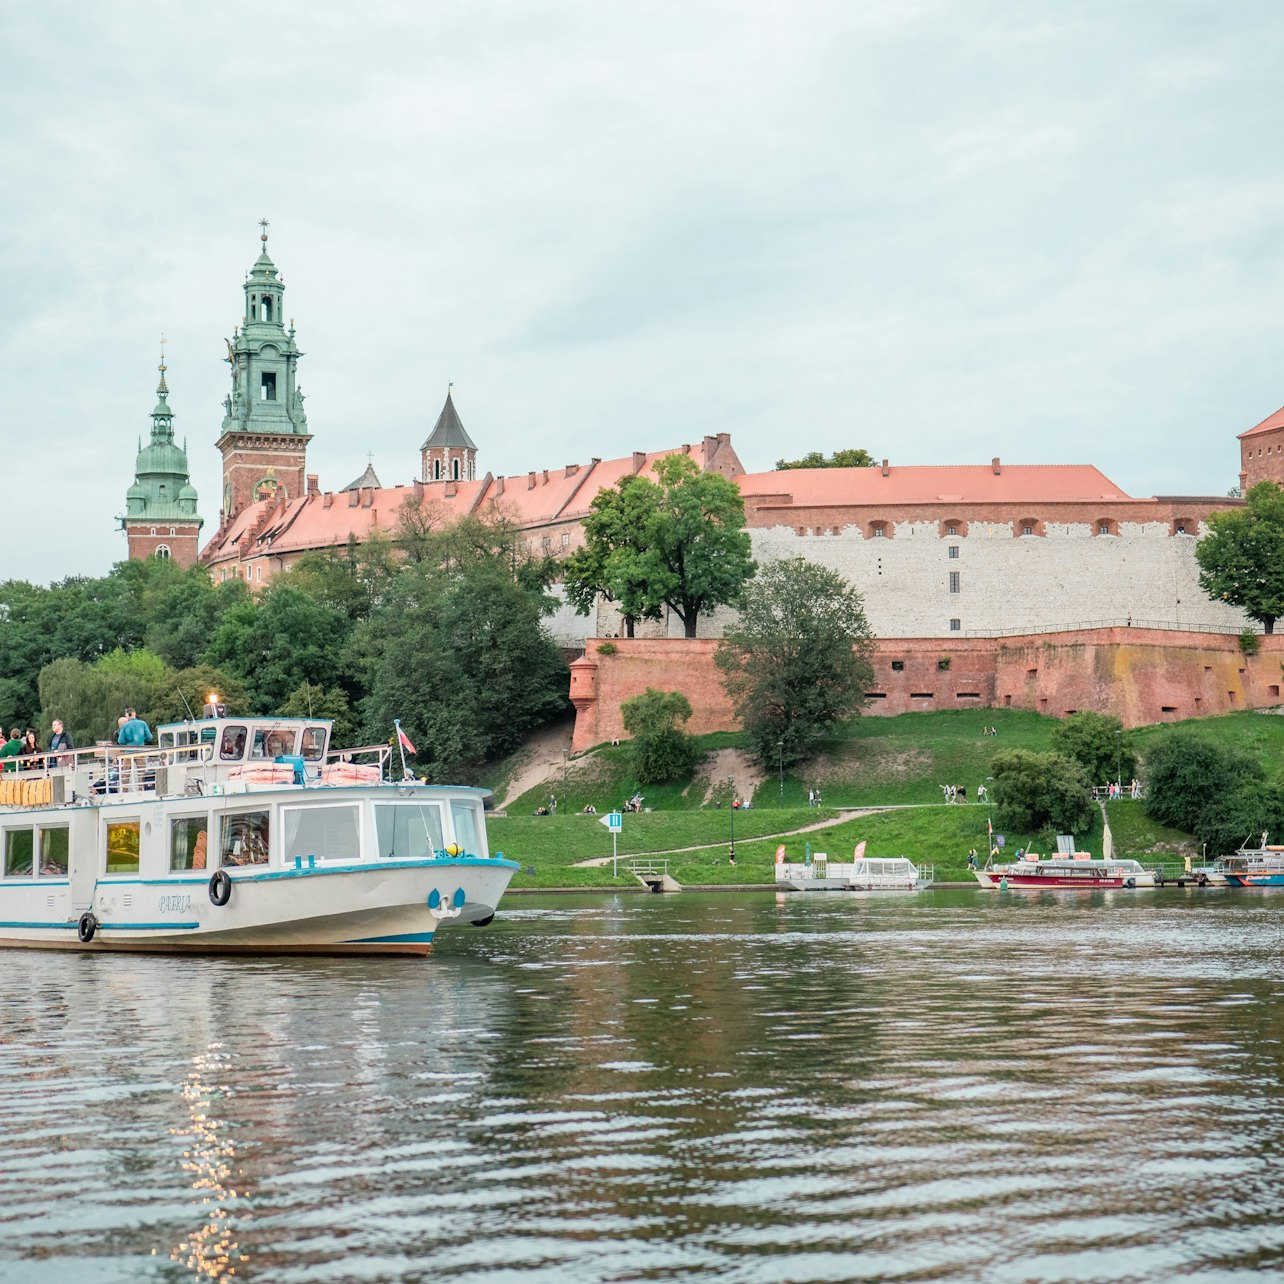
x: 393, y: 908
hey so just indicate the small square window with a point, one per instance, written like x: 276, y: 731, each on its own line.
x: 878, y: 532
x: 1027, y: 530
x: 951, y: 530
x: 566, y: 539
x: 955, y: 625
x: 954, y: 550
x: 898, y: 666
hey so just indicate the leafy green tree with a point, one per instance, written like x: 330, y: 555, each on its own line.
x: 90, y: 698
x: 1037, y: 790
x: 1242, y: 816
x: 463, y: 659
x: 1241, y: 559
x: 610, y: 562
x: 799, y: 658
x: 283, y: 639
x: 184, y: 692
x: 660, y: 749
x: 697, y: 549
x: 1097, y: 742
x: 853, y: 458
x: 308, y: 701
x: 1185, y: 774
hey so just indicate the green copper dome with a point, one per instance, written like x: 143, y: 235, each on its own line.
x: 162, y: 489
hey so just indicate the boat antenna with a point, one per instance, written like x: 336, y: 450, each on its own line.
x: 191, y: 717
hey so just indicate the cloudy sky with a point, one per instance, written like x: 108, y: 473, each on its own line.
x: 939, y: 229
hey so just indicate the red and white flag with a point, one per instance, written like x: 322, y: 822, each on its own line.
x: 859, y: 853
x: 405, y: 740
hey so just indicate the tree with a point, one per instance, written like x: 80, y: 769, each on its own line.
x: 660, y: 749
x: 279, y: 641
x: 697, y: 548
x: 1035, y: 790
x: 1227, y: 822
x: 1241, y: 559
x: 610, y: 563
x: 799, y: 658
x: 462, y: 658
x: 1097, y: 742
x: 852, y: 458
x: 1185, y: 774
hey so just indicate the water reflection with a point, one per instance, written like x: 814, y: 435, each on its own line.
x: 696, y: 1087
x: 210, y: 1251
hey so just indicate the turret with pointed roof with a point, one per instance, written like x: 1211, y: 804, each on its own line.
x: 449, y: 453
x: 264, y: 437
x: 160, y: 517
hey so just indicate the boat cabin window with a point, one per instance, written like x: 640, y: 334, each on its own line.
x: 466, y: 818
x: 232, y: 746
x: 409, y: 831
x: 328, y: 833
x: 244, y: 838
x: 55, y: 847
x: 19, y: 852
x: 122, y: 847
x: 313, y: 744
x: 271, y: 743
x: 188, y: 842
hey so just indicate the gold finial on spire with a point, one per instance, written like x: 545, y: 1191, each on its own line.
x: 263, y: 223
x: 163, y: 366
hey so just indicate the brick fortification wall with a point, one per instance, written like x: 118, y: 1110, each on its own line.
x: 1140, y: 675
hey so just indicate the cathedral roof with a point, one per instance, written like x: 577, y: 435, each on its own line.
x: 367, y: 479
x: 449, y: 431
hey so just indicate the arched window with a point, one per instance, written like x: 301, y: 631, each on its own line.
x: 1105, y: 526
x: 878, y: 530
x: 1028, y: 526
x: 265, y: 308
x: 173, y: 530
x: 454, y: 470
x: 153, y: 530
x: 436, y: 470
x: 162, y: 551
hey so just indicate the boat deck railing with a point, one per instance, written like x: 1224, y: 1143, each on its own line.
x: 108, y: 768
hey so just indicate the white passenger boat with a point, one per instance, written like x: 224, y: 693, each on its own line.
x: 239, y: 835
x: 862, y: 874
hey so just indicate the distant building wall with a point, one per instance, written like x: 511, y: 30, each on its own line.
x: 1141, y: 676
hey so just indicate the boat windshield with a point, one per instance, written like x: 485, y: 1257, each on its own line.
x: 409, y: 831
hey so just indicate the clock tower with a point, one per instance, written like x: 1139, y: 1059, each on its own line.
x: 264, y: 438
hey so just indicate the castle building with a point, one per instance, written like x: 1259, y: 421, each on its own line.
x: 936, y: 551
x: 160, y: 518
x: 264, y: 438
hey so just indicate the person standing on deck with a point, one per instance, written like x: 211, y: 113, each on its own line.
x: 135, y: 732
x: 11, y: 749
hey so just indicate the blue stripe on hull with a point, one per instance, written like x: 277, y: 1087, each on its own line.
x: 402, y: 938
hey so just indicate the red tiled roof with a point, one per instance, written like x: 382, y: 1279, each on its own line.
x: 1271, y: 421
x: 934, y: 484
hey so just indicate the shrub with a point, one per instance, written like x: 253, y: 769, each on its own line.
x: 660, y: 750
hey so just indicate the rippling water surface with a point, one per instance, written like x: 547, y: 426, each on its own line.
x: 696, y: 1087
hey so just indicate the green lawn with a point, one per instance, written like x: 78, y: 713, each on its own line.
x: 873, y: 762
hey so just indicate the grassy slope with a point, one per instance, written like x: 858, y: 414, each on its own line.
x: 876, y: 761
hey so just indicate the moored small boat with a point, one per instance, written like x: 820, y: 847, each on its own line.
x: 239, y: 835
x: 1260, y: 866
x: 862, y: 874
x: 1078, y: 871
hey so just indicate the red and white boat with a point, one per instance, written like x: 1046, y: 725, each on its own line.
x: 1077, y: 871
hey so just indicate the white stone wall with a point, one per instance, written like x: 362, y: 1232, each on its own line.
x: 1066, y: 577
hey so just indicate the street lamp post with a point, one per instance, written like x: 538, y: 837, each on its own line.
x: 780, y: 750
x: 1119, y: 743
x: 989, y: 821
x: 566, y: 753
x: 731, y: 850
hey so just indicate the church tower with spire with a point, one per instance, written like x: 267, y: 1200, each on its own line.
x: 448, y: 454
x: 160, y: 507
x: 264, y: 439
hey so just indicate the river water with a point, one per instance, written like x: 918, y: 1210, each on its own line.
x: 954, y: 1086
